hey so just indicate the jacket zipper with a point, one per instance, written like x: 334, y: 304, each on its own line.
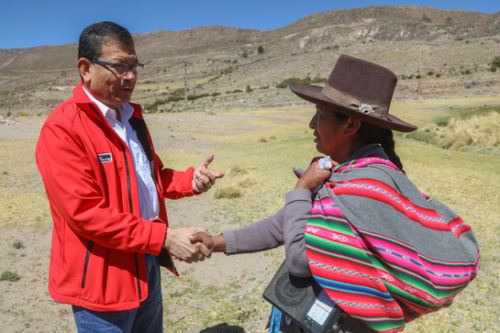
x: 86, y: 265
x: 132, y: 210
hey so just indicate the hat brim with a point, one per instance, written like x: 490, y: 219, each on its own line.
x: 313, y: 94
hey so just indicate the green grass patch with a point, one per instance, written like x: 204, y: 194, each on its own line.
x: 9, y: 276
x: 229, y: 192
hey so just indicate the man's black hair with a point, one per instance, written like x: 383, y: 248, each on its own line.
x: 95, y: 35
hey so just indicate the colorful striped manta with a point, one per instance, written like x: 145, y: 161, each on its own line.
x: 383, y: 251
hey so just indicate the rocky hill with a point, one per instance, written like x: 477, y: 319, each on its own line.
x: 435, y: 53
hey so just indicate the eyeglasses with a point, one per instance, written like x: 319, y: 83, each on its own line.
x: 119, y: 68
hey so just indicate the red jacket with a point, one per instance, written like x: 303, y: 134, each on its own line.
x: 99, y: 239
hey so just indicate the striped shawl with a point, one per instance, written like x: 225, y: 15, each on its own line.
x: 384, y: 252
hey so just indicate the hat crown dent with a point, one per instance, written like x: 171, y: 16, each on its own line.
x: 369, y: 83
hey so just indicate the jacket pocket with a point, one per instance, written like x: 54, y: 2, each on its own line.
x: 86, y: 264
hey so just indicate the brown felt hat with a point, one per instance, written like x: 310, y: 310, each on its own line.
x: 358, y: 88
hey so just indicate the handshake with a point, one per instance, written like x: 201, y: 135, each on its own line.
x: 192, y: 244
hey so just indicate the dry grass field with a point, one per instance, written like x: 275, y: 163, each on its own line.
x: 257, y: 150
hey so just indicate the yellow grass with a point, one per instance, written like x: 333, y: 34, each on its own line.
x: 467, y: 181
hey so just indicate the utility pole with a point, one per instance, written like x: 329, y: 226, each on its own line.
x: 186, y: 88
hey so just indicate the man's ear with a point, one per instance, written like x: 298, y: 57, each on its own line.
x: 83, y: 65
x: 352, y: 125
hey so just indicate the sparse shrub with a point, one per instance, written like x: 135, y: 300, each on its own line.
x: 263, y: 140
x: 237, y: 170
x: 264, y: 87
x: 227, y: 70
x: 334, y: 47
x: 215, y: 94
x: 426, y: 19
x: 260, y: 49
x: 234, y: 91
x: 229, y: 192
x: 244, y: 54
x: 247, y: 182
x: 9, y: 276
x: 215, y: 77
x: 174, y: 98
x: 18, y: 245
x: 418, y: 76
x: 318, y: 80
x: 193, y: 97
x: 441, y: 122
x: 430, y: 73
x: 248, y: 89
x: 293, y: 80
x: 5, y: 173
x: 495, y: 63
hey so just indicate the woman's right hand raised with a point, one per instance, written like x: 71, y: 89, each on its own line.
x: 314, y: 176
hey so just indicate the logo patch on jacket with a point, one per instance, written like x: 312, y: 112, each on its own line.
x: 105, y: 157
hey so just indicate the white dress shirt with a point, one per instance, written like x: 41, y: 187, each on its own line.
x: 147, y: 190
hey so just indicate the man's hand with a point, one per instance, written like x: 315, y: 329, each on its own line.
x: 203, y: 178
x: 313, y: 177
x: 179, y: 245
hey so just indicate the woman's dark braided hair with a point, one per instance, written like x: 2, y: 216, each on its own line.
x: 368, y: 134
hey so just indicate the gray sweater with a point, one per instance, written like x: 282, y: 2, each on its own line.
x: 285, y: 227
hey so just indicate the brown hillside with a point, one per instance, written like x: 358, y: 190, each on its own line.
x: 434, y: 52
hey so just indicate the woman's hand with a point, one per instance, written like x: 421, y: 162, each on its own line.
x: 313, y: 177
x: 215, y: 243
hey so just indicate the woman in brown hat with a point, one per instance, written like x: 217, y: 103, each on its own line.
x: 381, y: 250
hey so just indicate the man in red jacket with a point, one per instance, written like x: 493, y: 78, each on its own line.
x: 106, y: 188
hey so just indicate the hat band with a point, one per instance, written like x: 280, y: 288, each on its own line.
x: 352, y: 103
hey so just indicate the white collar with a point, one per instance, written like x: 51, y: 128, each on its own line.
x: 126, y: 110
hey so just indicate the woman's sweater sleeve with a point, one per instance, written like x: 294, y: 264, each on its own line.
x: 262, y: 235
x: 285, y: 227
x: 297, y: 208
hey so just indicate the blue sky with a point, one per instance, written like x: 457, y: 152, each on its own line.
x: 32, y: 23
